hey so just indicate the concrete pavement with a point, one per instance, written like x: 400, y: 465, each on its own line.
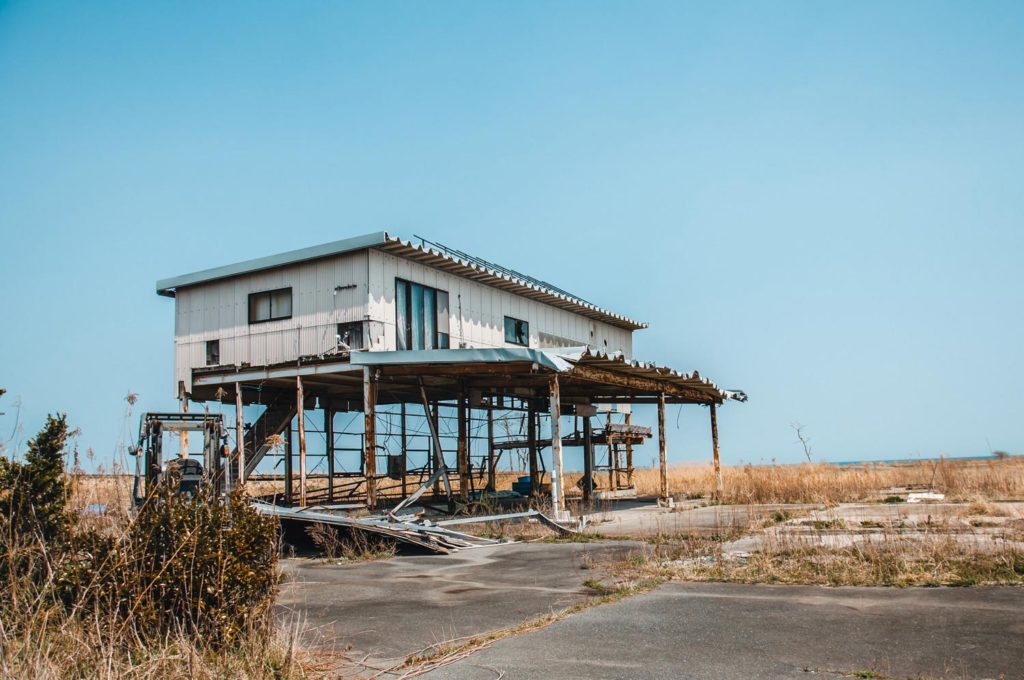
x: 739, y: 632
x: 393, y: 608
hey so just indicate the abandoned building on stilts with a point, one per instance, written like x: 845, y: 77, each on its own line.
x: 375, y: 369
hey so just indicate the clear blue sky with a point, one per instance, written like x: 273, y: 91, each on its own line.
x: 820, y: 203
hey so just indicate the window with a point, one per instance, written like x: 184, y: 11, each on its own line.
x: 421, y: 316
x: 517, y: 331
x: 270, y: 305
x: 213, y: 352
x: 351, y: 334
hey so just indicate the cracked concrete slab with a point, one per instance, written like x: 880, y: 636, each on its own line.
x: 739, y: 632
x: 392, y: 608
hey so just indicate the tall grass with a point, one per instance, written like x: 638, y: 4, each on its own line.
x: 184, y: 589
x: 822, y: 483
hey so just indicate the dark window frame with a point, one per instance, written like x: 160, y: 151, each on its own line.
x: 511, y: 338
x: 404, y: 336
x: 213, y: 357
x: 269, y: 294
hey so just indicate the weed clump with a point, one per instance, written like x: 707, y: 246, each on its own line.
x: 194, y: 575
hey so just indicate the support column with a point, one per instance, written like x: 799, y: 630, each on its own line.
x: 714, y: 445
x: 289, y: 481
x: 557, y: 492
x: 463, y: 449
x: 300, y: 414
x: 183, y: 435
x: 405, y: 454
x: 370, y: 437
x: 490, y: 446
x: 588, y: 459
x: 531, y: 442
x: 329, y: 436
x: 663, y: 498
x: 629, y: 451
x: 239, y: 435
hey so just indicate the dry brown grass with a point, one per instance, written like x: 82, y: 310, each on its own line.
x: 972, y: 480
x: 977, y: 480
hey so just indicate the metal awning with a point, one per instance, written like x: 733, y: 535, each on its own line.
x: 586, y: 375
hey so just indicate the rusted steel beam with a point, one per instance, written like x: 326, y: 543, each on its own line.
x: 588, y: 459
x: 370, y: 435
x: 300, y: 414
x: 531, y: 438
x: 329, y: 436
x: 662, y: 455
x: 183, y: 435
x: 491, y: 464
x: 719, y: 487
x: 557, y: 492
x: 462, y: 452
x: 239, y: 435
x: 632, y: 382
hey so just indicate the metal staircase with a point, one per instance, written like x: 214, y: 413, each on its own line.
x: 272, y: 421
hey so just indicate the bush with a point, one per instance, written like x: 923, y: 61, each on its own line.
x: 195, y: 571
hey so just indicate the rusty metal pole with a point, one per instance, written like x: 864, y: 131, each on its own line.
x: 405, y: 455
x: 370, y: 436
x: 183, y: 435
x: 462, y: 451
x: 662, y: 455
x: 490, y: 446
x: 301, y: 422
x: 288, y: 475
x: 714, y: 444
x: 557, y: 492
x: 531, y: 443
x: 588, y: 459
x: 329, y: 437
x: 239, y: 435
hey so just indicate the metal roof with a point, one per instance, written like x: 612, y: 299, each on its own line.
x: 167, y: 287
x: 571, y: 360
x: 444, y: 259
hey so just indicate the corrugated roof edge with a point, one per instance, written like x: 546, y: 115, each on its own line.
x: 380, y: 239
x: 167, y: 287
x: 618, y: 319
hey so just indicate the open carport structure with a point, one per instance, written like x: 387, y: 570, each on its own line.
x: 474, y: 384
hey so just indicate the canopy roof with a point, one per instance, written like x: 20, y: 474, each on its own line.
x: 584, y: 375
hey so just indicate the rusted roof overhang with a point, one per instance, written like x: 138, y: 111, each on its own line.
x: 419, y: 253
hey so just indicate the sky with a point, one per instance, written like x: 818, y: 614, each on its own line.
x: 818, y: 203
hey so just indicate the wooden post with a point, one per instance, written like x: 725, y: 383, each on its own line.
x: 588, y: 459
x: 370, y: 436
x: 301, y: 422
x: 490, y: 447
x: 405, y: 454
x: 531, y: 442
x: 289, y: 482
x: 463, y: 449
x: 329, y: 436
x: 629, y: 451
x: 183, y: 435
x: 662, y: 455
x: 557, y: 492
x: 714, y: 444
x: 239, y: 435
x: 434, y: 414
